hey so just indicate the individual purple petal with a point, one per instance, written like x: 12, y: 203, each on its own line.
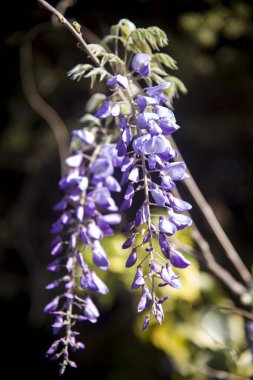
x: 178, y: 260
x: 156, y: 90
x: 104, y: 110
x: 156, y: 144
x: 57, y: 249
x: 81, y: 260
x: 164, y: 245
x: 124, y: 178
x: 118, y: 80
x: 56, y: 227
x: 66, y: 217
x: 134, y: 175
x: 57, y: 325
x: 126, y: 135
x: 101, y: 287
x: 60, y: 206
x: 164, y: 113
x: 112, y: 184
x: 178, y: 204
x: 129, y: 242
x: 146, y: 239
x: 152, y: 161
x: 102, y: 167
x: 138, y: 279
x: 128, y: 227
x: 139, y: 141
x: 127, y: 163
x: 72, y: 364
x: 83, y: 235
x: 176, y: 170
x: 154, y: 128
x: 145, y: 300
x: 112, y: 218
x: 75, y: 160
x: 169, y: 277
x: 154, y: 267
x: 85, y: 136
x: 166, y: 226
x: 52, y: 285
x: 104, y: 227
x: 144, y: 118
x: 163, y: 299
x: 143, y: 101
x: 132, y: 258
x: 90, y: 310
x: 111, y: 205
x: 53, y: 348
x: 80, y: 213
x: 54, y: 266
x: 99, y: 256
x: 167, y: 183
x: 129, y: 192
x: 146, y: 322
x: 121, y: 148
x: 141, y: 64
x: 141, y: 215
x: 158, y: 197
x: 52, y: 306
x: 179, y: 220
x: 126, y: 204
x: 94, y: 231
x: 159, y: 315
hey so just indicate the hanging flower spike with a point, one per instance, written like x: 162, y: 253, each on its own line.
x: 152, y: 152
x: 87, y: 187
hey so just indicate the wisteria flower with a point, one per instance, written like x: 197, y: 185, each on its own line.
x: 141, y: 64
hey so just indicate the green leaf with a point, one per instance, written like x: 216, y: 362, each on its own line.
x: 153, y: 35
x: 156, y: 78
x: 177, y: 84
x: 96, y: 72
x: 79, y: 71
x: 166, y: 60
x: 124, y: 27
x: 97, y: 50
x: 109, y: 57
x: 158, y: 71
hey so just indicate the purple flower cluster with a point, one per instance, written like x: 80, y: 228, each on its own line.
x: 87, y: 212
x: 146, y: 165
x: 143, y: 154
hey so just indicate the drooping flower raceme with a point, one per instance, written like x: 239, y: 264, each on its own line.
x: 137, y: 125
x: 87, y: 213
x: 147, y: 166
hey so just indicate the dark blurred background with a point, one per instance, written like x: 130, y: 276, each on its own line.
x: 212, y: 43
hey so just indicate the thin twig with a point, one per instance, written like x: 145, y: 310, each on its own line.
x: 215, y: 267
x: 36, y: 101
x: 237, y: 310
x: 65, y: 22
x: 212, y: 220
